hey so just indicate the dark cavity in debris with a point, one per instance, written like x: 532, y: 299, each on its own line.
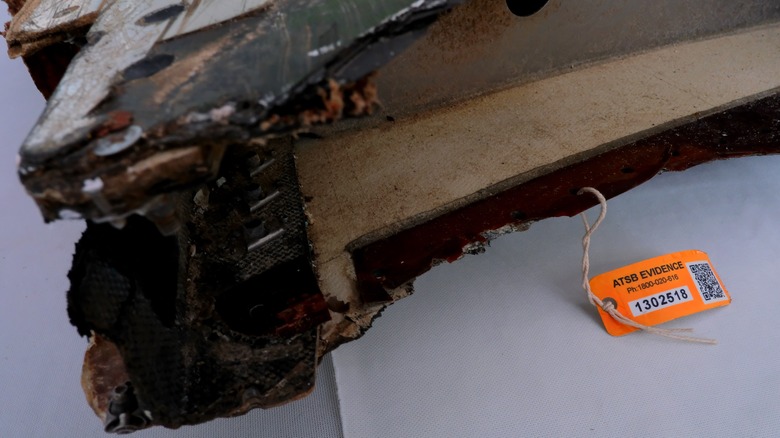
x: 76, y: 40
x: 525, y: 8
x: 163, y: 14
x: 148, y: 66
x: 94, y: 37
x: 390, y: 118
x: 106, y: 260
x: 259, y: 305
x: 310, y: 135
x: 519, y: 215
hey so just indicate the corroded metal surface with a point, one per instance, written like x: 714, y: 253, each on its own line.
x: 172, y: 89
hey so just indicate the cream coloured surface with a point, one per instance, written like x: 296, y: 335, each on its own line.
x: 503, y: 50
x: 377, y: 180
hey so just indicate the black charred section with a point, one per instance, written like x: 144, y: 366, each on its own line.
x: 114, y: 268
x: 283, y: 300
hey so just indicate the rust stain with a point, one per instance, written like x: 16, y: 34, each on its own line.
x: 302, y: 316
x: 364, y: 96
x: 361, y: 99
x: 103, y: 370
x: 116, y: 121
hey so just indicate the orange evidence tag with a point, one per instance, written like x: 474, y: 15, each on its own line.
x: 660, y: 289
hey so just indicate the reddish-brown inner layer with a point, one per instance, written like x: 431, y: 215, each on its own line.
x: 749, y: 129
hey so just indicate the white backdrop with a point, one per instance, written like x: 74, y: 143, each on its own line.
x: 505, y: 344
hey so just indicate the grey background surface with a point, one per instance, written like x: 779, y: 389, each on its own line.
x: 505, y: 344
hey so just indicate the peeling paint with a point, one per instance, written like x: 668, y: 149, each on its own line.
x: 66, y: 214
x: 92, y: 185
x: 324, y: 49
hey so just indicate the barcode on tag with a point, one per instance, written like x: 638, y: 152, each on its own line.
x: 706, y: 282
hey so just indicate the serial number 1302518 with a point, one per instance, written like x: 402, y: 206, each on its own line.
x: 660, y: 300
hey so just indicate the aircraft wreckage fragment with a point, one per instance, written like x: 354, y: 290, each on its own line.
x: 223, y: 258
x: 194, y: 278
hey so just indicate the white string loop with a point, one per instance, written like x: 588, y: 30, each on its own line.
x: 607, y: 305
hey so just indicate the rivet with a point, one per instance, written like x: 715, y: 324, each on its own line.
x: 115, y: 143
